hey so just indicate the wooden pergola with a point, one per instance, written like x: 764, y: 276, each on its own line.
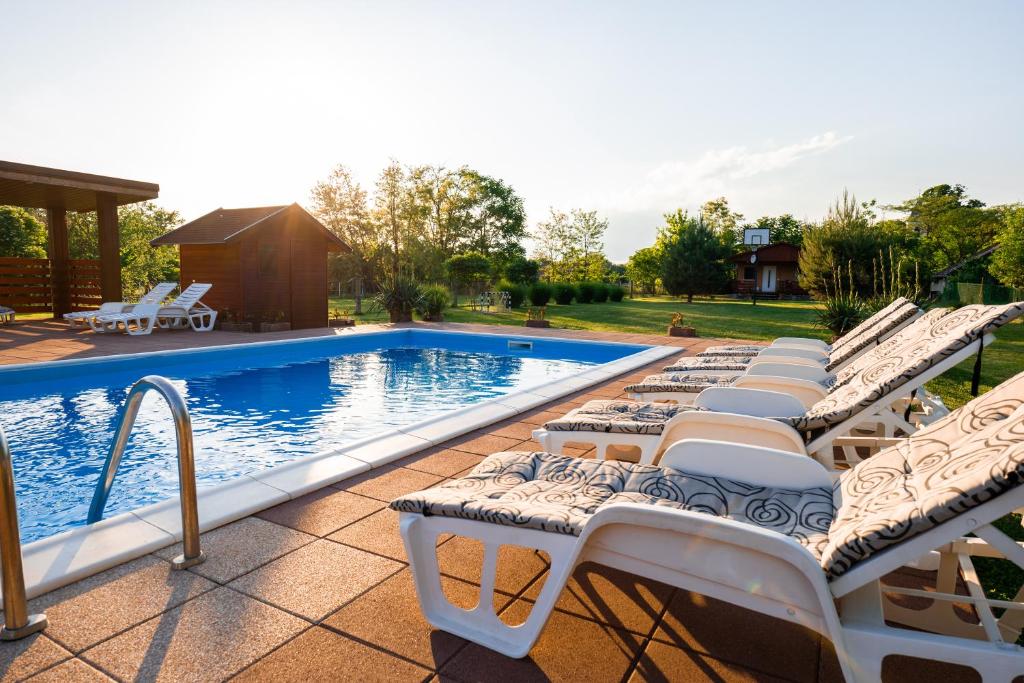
x: 59, y: 191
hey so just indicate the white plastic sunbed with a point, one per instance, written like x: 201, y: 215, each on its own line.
x: 891, y: 371
x: 760, y: 528
x: 6, y: 315
x: 140, y: 320
x: 87, y: 318
x: 188, y: 311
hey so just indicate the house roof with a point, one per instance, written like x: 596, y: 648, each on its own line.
x: 40, y: 187
x: 779, y: 252
x: 946, y: 272
x: 222, y: 226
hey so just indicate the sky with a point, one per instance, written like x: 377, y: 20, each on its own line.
x: 632, y: 109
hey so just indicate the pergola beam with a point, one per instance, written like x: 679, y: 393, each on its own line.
x: 57, y: 225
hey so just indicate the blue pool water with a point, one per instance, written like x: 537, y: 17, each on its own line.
x: 252, y: 407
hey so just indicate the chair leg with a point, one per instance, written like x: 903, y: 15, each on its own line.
x: 203, y: 321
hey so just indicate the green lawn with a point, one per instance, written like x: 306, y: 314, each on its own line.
x: 739, y: 320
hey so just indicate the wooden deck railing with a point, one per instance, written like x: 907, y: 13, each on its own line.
x: 26, y: 284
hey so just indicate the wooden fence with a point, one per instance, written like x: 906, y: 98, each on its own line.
x: 26, y: 284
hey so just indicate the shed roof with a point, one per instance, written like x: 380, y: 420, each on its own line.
x: 222, y: 226
x: 779, y: 252
x: 40, y: 187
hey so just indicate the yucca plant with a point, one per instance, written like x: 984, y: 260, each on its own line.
x: 891, y: 280
x: 399, y: 297
x: 841, y: 309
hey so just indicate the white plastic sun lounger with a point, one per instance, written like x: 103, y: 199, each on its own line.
x: 140, y: 320
x: 894, y: 370
x: 699, y: 523
x: 6, y: 315
x: 188, y: 311
x: 809, y: 382
x: 87, y: 318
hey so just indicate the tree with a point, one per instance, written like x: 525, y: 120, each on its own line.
x: 723, y: 221
x: 952, y: 226
x: 1008, y: 259
x: 467, y: 269
x: 644, y: 268
x: 571, y: 246
x: 587, y: 233
x: 399, y: 213
x: 21, y: 234
x: 554, y: 244
x: 521, y: 270
x: 498, y: 218
x: 782, y: 228
x: 693, y: 256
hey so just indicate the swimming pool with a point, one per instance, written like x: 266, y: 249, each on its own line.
x: 253, y: 406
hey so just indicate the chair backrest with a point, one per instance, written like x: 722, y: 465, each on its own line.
x: 870, y: 335
x: 889, y: 366
x: 873, y: 320
x: 158, y: 293
x: 973, y: 455
x: 190, y: 295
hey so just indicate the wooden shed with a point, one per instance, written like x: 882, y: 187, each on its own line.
x: 265, y: 263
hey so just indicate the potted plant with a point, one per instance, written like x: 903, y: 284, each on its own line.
x: 433, y: 300
x: 340, y: 318
x: 677, y: 329
x: 230, y: 321
x: 535, y: 317
x: 275, y: 322
x: 399, y: 298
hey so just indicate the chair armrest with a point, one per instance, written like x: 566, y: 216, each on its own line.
x: 746, y: 463
x: 811, y: 373
x: 755, y: 402
x: 794, y: 352
x: 807, y: 392
x: 803, y: 341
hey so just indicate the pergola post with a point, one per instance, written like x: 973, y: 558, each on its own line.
x: 57, y: 224
x: 109, y: 243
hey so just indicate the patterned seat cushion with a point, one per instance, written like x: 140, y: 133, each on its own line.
x: 692, y: 382
x: 709, y: 363
x: 559, y: 494
x: 857, y: 343
x: 621, y: 417
x: 736, y: 350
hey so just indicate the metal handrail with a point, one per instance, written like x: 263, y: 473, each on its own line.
x: 18, y: 623
x: 192, y: 554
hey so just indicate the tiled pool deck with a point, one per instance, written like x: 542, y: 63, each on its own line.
x: 318, y: 588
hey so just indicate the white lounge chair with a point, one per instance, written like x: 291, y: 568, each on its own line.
x: 869, y: 400
x: 811, y: 381
x: 760, y: 528
x: 140, y: 320
x: 188, y: 311
x: 6, y: 315
x: 87, y: 318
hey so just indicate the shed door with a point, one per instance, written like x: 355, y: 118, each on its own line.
x: 308, y: 281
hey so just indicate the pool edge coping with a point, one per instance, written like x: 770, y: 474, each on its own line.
x: 56, y: 561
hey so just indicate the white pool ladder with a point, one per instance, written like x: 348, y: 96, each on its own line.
x: 192, y: 553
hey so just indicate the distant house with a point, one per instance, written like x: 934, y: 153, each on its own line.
x: 266, y: 263
x: 940, y: 278
x: 766, y: 268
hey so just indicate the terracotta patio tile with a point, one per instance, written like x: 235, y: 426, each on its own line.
x: 378, y: 534
x: 540, y: 417
x: 747, y: 638
x: 662, y: 662
x: 19, y: 659
x: 516, y: 430
x: 206, y: 639
x: 462, y: 558
x: 240, y: 547
x: 900, y: 668
x: 442, y: 462
x: 72, y: 670
x: 409, y: 635
x: 321, y: 512
x: 389, y: 484
x: 611, y: 597
x: 322, y: 655
x: 482, y: 444
x: 96, y: 608
x: 316, y: 579
x: 569, y: 649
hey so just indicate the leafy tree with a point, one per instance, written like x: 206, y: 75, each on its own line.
x: 694, y: 256
x: 571, y: 246
x: 498, y: 217
x: 644, y: 268
x: 952, y: 226
x: 521, y: 270
x: 1008, y: 259
x: 782, y: 228
x: 21, y: 234
x: 554, y: 245
x: 468, y: 269
x: 723, y: 221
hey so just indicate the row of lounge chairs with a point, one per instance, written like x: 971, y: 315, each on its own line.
x: 727, y: 502
x: 185, y: 310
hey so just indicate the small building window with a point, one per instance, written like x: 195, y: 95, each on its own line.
x: 749, y: 273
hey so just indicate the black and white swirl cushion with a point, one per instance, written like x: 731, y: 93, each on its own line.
x: 692, y: 382
x: 621, y: 417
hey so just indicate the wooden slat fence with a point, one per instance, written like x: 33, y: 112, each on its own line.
x: 25, y: 284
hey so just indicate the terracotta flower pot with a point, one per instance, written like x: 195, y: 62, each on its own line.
x: 685, y: 331
x: 538, y: 323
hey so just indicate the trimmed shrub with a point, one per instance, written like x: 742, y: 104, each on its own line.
x: 433, y: 300
x: 564, y: 293
x: 540, y: 293
x: 585, y: 292
x: 600, y: 292
x: 516, y: 293
x: 616, y: 292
